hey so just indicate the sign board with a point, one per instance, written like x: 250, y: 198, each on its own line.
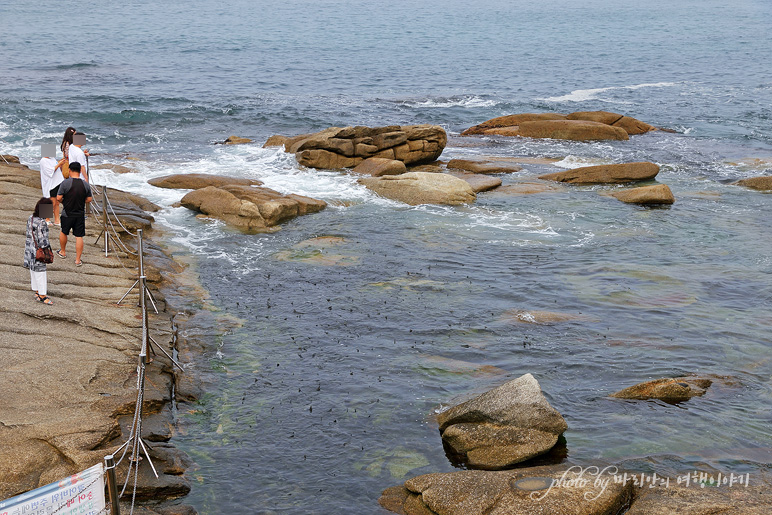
x: 81, y: 494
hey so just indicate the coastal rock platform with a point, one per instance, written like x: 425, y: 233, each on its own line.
x: 68, y: 378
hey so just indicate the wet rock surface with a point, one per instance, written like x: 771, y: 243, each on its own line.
x: 659, y: 194
x: 677, y: 389
x: 504, y: 426
x: 606, y: 174
x: 248, y: 207
x: 194, y: 181
x: 511, y: 492
x: 346, y: 147
x: 416, y: 188
x: 579, y: 126
x: 763, y: 183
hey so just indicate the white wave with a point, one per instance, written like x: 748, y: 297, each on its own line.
x: 583, y: 95
x: 465, y: 101
x: 571, y: 161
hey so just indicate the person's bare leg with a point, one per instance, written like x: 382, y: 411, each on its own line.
x: 57, y: 221
x: 78, y: 249
x: 63, y: 243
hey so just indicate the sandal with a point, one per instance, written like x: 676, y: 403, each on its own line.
x: 78, y: 263
x: 59, y: 253
x: 43, y: 299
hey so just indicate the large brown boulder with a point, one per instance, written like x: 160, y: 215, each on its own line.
x: 377, y: 166
x: 668, y: 389
x: 647, y: 195
x: 629, y: 124
x: 763, y: 183
x: 194, y: 181
x: 552, y: 490
x: 606, y: 174
x: 416, y: 188
x: 570, y: 126
x: 346, y: 147
x: 504, y: 426
x: 249, y: 207
x: 576, y: 130
x: 510, y: 121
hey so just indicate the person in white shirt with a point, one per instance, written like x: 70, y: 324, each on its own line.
x: 77, y: 155
x: 50, y: 177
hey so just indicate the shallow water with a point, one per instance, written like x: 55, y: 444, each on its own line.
x: 334, y: 341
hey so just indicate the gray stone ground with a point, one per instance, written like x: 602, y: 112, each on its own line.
x: 68, y: 371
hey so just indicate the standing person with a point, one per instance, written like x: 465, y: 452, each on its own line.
x: 64, y: 164
x: 74, y: 194
x: 37, y: 236
x: 78, y: 155
x: 50, y: 177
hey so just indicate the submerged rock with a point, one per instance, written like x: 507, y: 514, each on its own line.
x: 346, y: 147
x: 194, y: 181
x: 528, y: 188
x: 416, y: 188
x: 236, y: 140
x: 507, y: 425
x: 553, y: 490
x: 646, y: 195
x: 606, y: 174
x: 377, y: 166
x: 677, y: 389
x: 543, y: 317
x: 483, y: 167
x: 763, y: 183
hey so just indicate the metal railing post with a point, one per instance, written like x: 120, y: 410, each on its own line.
x: 104, y: 220
x: 112, y: 485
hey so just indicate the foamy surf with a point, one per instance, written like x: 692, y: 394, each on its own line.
x: 469, y: 101
x: 583, y: 95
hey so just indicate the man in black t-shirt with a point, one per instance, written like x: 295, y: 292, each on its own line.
x: 74, y: 193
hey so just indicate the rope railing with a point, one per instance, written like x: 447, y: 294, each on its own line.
x: 134, y: 446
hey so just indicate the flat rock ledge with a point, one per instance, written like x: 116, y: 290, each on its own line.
x: 578, y: 126
x: 416, y: 188
x: 659, y: 194
x: 763, y: 183
x: 239, y: 202
x: 346, y: 147
x: 63, y: 409
x: 483, y: 166
x: 606, y: 174
x: 510, y: 492
x: 670, y: 390
x: 504, y: 426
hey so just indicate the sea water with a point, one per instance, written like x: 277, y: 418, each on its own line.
x: 333, y: 342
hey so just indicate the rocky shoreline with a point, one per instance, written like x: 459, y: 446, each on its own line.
x: 68, y: 387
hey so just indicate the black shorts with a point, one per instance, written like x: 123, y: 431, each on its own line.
x: 76, y: 223
x: 54, y: 192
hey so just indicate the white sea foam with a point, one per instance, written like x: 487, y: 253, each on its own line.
x: 463, y: 101
x: 571, y: 161
x: 583, y: 95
